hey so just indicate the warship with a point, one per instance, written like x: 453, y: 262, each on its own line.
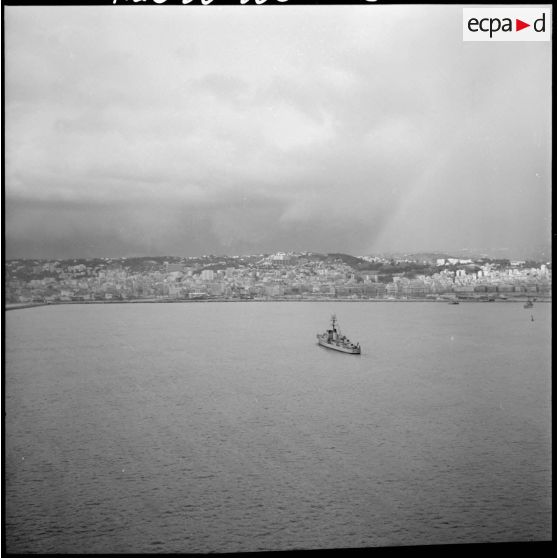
x: 333, y: 339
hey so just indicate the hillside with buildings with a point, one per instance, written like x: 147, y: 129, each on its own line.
x: 292, y: 276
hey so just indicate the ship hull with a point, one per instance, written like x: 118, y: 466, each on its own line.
x: 340, y: 348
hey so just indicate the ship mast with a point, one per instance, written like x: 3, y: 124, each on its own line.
x: 333, y: 327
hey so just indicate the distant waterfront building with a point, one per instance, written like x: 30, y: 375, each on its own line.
x: 281, y: 258
x: 174, y: 291
x: 391, y: 289
x: 207, y: 275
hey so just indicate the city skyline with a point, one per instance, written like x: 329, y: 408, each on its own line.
x: 535, y: 255
x: 275, y: 277
x: 228, y: 130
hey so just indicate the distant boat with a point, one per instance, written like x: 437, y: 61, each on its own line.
x: 453, y: 301
x: 528, y: 304
x: 333, y: 339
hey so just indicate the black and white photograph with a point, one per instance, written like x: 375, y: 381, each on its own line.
x: 235, y: 239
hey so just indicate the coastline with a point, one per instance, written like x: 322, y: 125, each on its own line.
x: 23, y: 305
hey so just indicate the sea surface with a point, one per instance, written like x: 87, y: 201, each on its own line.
x: 224, y: 427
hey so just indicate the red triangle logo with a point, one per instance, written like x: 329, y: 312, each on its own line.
x: 519, y: 25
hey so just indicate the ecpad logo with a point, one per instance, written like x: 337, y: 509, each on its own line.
x: 506, y: 24
x: 495, y: 24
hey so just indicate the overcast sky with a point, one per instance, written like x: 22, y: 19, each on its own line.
x: 188, y: 130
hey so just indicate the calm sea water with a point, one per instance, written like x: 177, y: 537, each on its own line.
x: 225, y: 427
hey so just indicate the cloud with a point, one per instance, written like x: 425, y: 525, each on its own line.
x: 347, y: 128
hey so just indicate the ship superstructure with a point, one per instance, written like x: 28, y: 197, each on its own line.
x: 334, y: 339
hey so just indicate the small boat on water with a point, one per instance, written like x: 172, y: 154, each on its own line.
x: 528, y: 304
x: 333, y: 339
x: 453, y: 301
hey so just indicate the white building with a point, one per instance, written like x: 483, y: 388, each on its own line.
x: 207, y: 275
